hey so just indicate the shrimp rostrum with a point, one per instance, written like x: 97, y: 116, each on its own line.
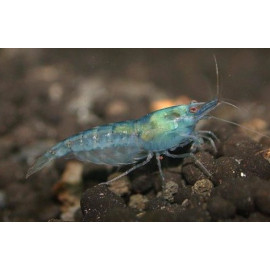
x: 137, y: 141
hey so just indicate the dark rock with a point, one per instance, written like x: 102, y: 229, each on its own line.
x: 3, y: 199
x: 246, y: 150
x: 120, y: 215
x: 160, y: 215
x: 176, y: 213
x: 97, y: 201
x: 262, y: 199
x: 258, y: 217
x: 193, y: 215
x: 49, y: 211
x: 265, y: 141
x: 142, y: 184
x: 197, y: 201
x: 182, y: 194
x: 55, y: 220
x: 238, y: 218
x: 239, y: 193
x: 78, y: 215
x: 220, y: 208
x: 227, y: 168
x: 156, y: 204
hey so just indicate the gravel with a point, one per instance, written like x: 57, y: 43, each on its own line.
x: 48, y: 95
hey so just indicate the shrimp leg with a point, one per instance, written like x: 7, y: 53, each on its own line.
x: 168, y: 154
x: 211, y: 142
x: 209, y: 133
x: 160, y: 171
x: 197, y: 162
x: 149, y: 157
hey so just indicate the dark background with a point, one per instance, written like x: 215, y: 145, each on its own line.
x: 49, y: 94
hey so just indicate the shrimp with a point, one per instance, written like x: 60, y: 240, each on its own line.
x: 136, y: 142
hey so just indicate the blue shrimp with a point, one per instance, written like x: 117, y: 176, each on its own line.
x: 136, y: 142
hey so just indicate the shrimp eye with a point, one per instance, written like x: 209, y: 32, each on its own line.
x: 193, y: 109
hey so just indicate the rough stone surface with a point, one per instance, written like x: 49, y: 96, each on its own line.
x: 97, y: 201
x: 171, y: 188
x: 220, y: 209
x: 239, y: 193
x: 202, y: 187
x: 138, y: 202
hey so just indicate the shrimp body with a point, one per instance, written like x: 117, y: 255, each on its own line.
x: 131, y: 141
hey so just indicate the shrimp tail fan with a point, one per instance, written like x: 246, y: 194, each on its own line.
x: 40, y: 163
x: 57, y: 151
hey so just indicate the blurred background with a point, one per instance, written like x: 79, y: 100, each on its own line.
x: 49, y: 94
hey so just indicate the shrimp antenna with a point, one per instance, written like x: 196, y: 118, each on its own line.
x: 232, y: 105
x: 238, y: 125
x: 218, y: 88
x: 217, y: 75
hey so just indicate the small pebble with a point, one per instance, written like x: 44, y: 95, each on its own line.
x: 266, y: 154
x: 70, y: 214
x: 73, y: 173
x: 164, y: 103
x: 185, y: 203
x: 138, y: 202
x: 171, y: 188
x: 117, y: 107
x: 55, y: 92
x: 68, y: 189
x: 203, y: 187
x: 120, y: 186
x: 256, y: 124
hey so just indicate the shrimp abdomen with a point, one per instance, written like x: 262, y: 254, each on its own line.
x: 114, y: 144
